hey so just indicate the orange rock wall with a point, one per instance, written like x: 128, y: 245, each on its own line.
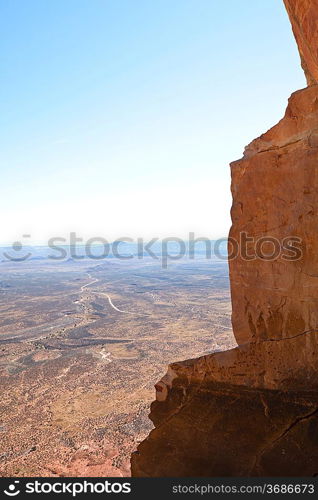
x: 253, y: 410
x: 274, y: 279
x: 303, y: 15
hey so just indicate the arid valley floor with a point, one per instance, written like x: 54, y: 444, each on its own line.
x: 82, y: 344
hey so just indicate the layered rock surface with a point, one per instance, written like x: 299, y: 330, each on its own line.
x: 253, y: 410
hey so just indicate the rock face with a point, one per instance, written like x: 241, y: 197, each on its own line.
x: 253, y: 410
x: 304, y: 20
x: 250, y: 411
x: 217, y: 431
x: 275, y: 205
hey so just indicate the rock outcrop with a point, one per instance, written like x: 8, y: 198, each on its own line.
x: 274, y: 277
x: 304, y: 20
x: 253, y: 410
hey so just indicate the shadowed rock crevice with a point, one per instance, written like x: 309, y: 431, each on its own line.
x: 253, y: 410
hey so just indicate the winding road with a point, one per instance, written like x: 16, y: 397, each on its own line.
x: 95, y: 280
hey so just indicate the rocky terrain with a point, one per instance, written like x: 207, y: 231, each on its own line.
x: 253, y: 410
x: 80, y: 346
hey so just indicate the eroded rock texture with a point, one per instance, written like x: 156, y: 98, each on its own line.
x: 304, y: 20
x: 253, y: 410
x: 217, y: 432
x: 275, y: 198
x: 250, y: 411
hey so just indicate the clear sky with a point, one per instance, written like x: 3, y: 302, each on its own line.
x: 119, y: 117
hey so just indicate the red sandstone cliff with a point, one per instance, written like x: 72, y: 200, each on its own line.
x: 275, y: 188
x: 304, y: 19
x: 254, y: 410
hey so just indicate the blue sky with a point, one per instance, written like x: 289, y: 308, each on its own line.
x: 119, y: 117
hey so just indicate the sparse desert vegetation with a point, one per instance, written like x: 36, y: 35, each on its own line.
x: 81, y: 347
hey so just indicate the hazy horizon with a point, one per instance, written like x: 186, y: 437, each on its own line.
x: 122, y: 117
